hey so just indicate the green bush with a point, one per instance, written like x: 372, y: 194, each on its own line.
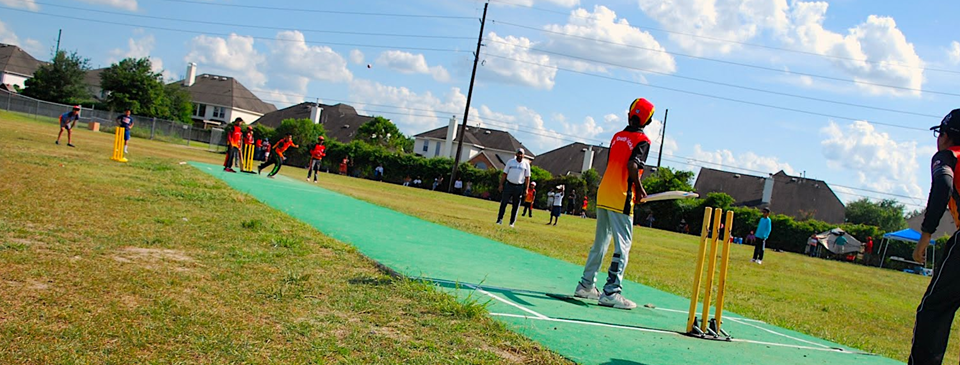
x: 304, y: 133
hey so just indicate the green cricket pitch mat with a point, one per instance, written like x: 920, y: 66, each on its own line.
x: 529, y: 292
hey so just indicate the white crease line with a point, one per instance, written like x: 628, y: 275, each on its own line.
x: 674, y: 333
x: 734, y: 318
x: 515, y: 305
x: 780, y: 334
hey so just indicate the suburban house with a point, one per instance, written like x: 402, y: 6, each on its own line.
x: 218, y: 100
x: 795, y: 196
x: 340, y: 121
x: 945, y: 228
x: 483, y: 148
x: 575, y: 158
x: 16, y: 66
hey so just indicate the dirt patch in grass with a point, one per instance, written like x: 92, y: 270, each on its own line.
x: 154, y: 258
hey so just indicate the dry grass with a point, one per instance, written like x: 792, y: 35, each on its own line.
x: 154, y: 262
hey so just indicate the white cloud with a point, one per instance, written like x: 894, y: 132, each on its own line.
x: 510, y: 61
x: 878, y: 161
x: 130, y: 5
x: 875, y: 51
x: 643, y: 50
x: 141, y: 48
x: 32, y: 46
x: 234, y: 56
x: 734, y: 20
x: 412, y: 112
x: 356, y: 56
x: 954, y: 52
x: 292, y: 56
x: 408, y: 63
x: 748, y: 162
x: 21, y: 4
x: 563, y: 3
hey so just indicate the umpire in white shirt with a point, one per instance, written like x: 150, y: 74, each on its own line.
x: 514, y: 181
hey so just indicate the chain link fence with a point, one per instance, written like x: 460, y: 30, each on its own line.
x: 143, y: 127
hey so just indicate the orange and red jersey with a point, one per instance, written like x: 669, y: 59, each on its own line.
x: 282, y: 146
x: 318, y: 151
x: 248, y: 137
x: 627, y: 146
x: 531, y: 194
x: 235, y: 136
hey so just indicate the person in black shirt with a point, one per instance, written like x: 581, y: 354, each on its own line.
x: 942, y: 299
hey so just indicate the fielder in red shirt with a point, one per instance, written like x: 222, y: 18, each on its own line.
x: 276, y: 158
x: 316, y: 155
x: 234, y: 140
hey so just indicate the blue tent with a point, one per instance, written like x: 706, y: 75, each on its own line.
x: 906, y: 235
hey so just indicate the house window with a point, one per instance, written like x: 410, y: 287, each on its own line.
x: 200, y: 110
x: 426, y: 146
x: 437, y: 153
x: 219, y: 112
x: 481, y: 165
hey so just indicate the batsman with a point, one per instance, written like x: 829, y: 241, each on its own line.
x: 618, y: 191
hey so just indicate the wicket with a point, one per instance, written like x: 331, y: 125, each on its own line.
x: 710, y: 328
x: 246, y: 158
x: 118, y: 144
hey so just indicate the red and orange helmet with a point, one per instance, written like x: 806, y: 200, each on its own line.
x: 642, y: 109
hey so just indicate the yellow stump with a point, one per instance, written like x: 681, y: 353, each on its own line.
x: 695, y: 296
x: 247, y: 158
x: 724, y: 259
x: 118, y: 145
x: 711, y: 267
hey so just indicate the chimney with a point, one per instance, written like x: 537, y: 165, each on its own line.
x: 315, y: 111
x: 587, y: 159
x: 448, y: 150
x: 191, y: 75
x: 767, y: 190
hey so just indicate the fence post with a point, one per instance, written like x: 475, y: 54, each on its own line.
x: 36, y: 111
x: 153, y: 126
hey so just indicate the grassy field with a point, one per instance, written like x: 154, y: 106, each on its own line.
x: 854, y: 305
x: 151, y: 261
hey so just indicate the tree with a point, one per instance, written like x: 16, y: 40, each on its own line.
x: 132, y: 84
x: 667, y: 179
x: 60, y: 81
x: 180, y: 105
x: 382, y: 132
x: 886, y: 214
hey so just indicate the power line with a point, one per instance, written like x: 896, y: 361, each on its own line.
x: 706, y: 95
x: 723, y: 83
x: 732, y: 62
x: 358, y: 45
x: 301, y: 10
x: 253, y: 26
x: 884, y: 63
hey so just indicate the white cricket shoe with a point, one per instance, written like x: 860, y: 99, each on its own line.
x: 616, y: 301
x: 586, y: 293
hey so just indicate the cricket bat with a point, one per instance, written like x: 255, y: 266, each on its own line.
x: 669, y: 195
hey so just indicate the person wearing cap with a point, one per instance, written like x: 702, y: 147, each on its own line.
x: 939, y: 304
x: 557, y: 206
x: 277, y: 156
x: 234, y: 139
x: 125, y: 121
x: 528, y: 198
x: 619, y: 189
x: 247, y: 141
x: 69, y: 120
x: 317, y: 151
x: 514, y: 180
x: 764, y: 227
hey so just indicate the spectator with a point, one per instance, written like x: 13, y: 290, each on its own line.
x: 528, y: 198
x: 343, y: 166
x: 378, y: 172
x: 458, y: 186
x: 516, y: 176
x: 557, y: 207
x: 812, y: 244
x: 650, y: 219
x: 583, y: 209
x: 417, y: 182
x: 258, y: 150
x: 406, y: 181
x: 751, y: 239
x: 841, y: 241
x: 266, y: 150
x: 763, y: 232
x: 469, y: 189
x: 68, y: 120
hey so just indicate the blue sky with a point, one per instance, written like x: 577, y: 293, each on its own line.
x: 841, y: 90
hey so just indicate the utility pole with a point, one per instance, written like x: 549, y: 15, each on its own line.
x: 663, y: 137
x: 466, y: 113
x: 59, y: 33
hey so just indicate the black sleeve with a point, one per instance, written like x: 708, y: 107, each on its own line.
x: 639, y: 154
x: 941, y: 188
